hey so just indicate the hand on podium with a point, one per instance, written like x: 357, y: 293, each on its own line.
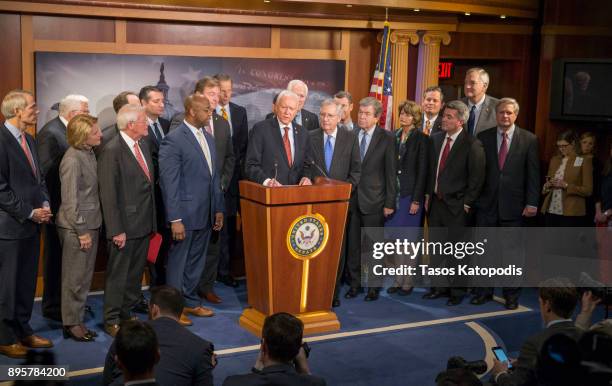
x: 305, y: 181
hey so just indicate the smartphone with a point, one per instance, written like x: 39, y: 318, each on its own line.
x: 501, y: 356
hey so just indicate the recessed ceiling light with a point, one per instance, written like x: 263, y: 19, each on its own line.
x: 349, y: 5
x: 502, y: 16
x: 267, y: 1
x: 467, y: 14
x: 417, y: 10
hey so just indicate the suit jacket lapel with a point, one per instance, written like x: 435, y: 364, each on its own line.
x: 455, y: 149
x: 19, y: 151
x: 127, y: 152
x: 191, y: 138
x: 514, y: 145
x: 319, y: 148
x: 376, y: 135
x: 338, y: 147
x: 276, y: 135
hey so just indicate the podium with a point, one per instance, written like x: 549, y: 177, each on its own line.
x: 292, y: 240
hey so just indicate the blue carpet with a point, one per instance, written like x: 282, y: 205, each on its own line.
x: 408, y: 356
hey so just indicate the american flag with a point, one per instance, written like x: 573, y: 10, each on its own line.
x: 381, y: 81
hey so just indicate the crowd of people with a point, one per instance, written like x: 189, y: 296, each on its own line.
x: 457, y: 164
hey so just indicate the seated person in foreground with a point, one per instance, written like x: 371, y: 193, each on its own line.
x: 137, y: 353
x: 281, y: 360
x: 185, y: 358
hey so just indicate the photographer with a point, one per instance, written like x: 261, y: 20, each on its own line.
x: 282, y: 358
x: 583, y: 320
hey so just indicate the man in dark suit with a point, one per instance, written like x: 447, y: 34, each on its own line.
x: 219, y: 129
x: 303, y: 117
x: 279, y: 150
x: 127, y: 194
x: 375, y: 197
x: 433, y: 100
x: 512, y: 186
x: 459, y: 167
x: 557, y: 299
x: 190, y: 185
x: 239, y: 126
x: 24, y: 204
x: 122, y: 99
x: 137, y: 353
x: 345, y: 100
x: 185, y: 359
x: 481, y: 107
x: 281, y: 359
x: 52, y: 144
x: 335, y: 153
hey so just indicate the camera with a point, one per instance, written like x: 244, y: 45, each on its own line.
x: 599, y: 290
x: 477, y: 367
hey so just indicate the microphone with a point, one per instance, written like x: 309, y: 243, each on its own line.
x: 313, y: 163
x: 275, y: 169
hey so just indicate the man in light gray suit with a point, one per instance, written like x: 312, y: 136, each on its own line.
x: 51, y: 145
x: 335, y: 155
x: 480, y: 105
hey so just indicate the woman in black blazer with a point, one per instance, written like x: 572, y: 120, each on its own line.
x: 412, y: 147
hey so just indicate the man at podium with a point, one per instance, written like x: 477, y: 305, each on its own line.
x: 278, y: 152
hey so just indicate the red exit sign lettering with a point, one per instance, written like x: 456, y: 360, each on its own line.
x: 445, y: 70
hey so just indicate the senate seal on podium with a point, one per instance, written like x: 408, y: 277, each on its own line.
x: 307, y: 236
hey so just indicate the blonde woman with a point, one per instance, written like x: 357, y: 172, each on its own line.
x: 78, y: 222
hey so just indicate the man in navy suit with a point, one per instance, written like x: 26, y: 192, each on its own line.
x: 279, y: 149
x: 24, y: 204
x: 194, y: 202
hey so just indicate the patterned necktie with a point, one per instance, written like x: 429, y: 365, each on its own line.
x: 503, y: 151
x: 204, y: 146
x: 471, y: 120
x: 329, y: 153
x: 443, y: 161
x: 287, y: 145
x: 158, y: 136
x: 362, y: 145
x: 141, y: 161
x: 26, y: 150
x: 224, y: 114
x: 426, y: 130
x: 209, y: 127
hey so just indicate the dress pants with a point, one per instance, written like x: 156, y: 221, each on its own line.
x: 52, y: 272
x: 18, y: 269
x: 357, y: 221
x: 186, y: 261
x: 77, y: 272
x: 123, y: 278
x: 217, y: 247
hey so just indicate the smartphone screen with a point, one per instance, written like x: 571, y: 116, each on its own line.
x: 501, y: 356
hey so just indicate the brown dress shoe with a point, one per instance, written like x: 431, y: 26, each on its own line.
x: 212, y: 297
x: 35, y: 341
x: 198, y: 311
x: 184, y: 320
x: 111, y: 329
x: 15, y: 350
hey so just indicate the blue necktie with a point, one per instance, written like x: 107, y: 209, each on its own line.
x: 471, y: 120
x: 156, y: 132
x: 362, y: 145
x: 329, y: 153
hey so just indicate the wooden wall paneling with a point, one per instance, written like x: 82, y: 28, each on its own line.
x: 217, y: 35
x: 73, y: 29
x: 27, y: 53
x: 310, y: 38
x: 413, y: 60
x: 362, y: 58
x: 10, y: 51
x: 468, y: 45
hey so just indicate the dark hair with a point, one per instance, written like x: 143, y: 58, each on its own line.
x: 169, y: 300
x: 282, y: 335
x: 121, y: 100
x: 561, y: 294
x: 568, y: 135
x: 223, y: 77
x: 207, y: 81
x: 137, y: 348
x: 143, y: 95
x: 344, y: 94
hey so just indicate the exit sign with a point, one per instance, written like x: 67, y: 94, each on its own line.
x: 445, y: 70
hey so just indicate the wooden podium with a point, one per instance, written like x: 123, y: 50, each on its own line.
x: 292, y: 239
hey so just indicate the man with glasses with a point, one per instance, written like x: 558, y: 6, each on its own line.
x: 52, y: 144
x: 191, y: 189
x: 481, y: 106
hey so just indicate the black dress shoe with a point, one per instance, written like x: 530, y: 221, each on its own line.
x: 454, y: 300
x: 86, y: 337
x: 142, y: 307
x: 228, y: 280
x: 511, y: 304
x: 433, y: 295
x: 481, y: 299
x: 403, y: 292
x: 392, y: 290
x: 353, y: 292
x: 372, y: 295
x: 336, y: 303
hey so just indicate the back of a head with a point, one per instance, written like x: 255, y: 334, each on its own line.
x: 136, y: 347
x: 168, y: 299
x: 561, y: 294
x: 558, y: 363
x: 282, y: 335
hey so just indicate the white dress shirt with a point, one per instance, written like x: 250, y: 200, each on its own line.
x: 130, y: 142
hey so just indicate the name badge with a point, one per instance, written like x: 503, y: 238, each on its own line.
x: 578, y: 162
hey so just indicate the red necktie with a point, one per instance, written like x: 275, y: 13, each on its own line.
x: 287, y: 146
x: 26, y: 150
x: 443, y: 159
x: 503, y: 151
x: 141, y: 161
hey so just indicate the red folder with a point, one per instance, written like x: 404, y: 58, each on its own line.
x: 155, y: 241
